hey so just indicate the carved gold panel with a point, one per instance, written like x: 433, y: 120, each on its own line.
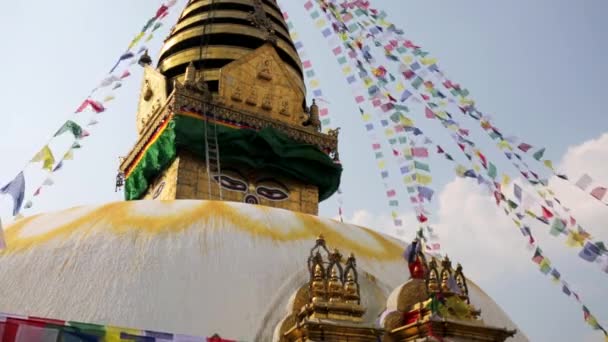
x: 259, y: 82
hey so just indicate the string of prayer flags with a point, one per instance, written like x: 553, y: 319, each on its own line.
x: 16, y: 187
x: 37, y: 329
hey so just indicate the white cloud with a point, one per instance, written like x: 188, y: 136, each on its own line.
x: 477, y: 233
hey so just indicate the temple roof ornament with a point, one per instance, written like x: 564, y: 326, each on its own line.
x: 435, y: 303
x: 330, y: 307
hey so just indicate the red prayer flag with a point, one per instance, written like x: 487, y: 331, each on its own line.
x: 422, y: 218
x: 161, y: 11
x: 524, y: 147
x: 547, y: 213
x: 429, y: 113
x: 96, y: 106
x: 421, y: 152
x: 599, y: 192
x: 391, y: 193
x: 439, y: 149
x: 125, y: 74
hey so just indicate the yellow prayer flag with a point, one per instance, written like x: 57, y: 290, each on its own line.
x: 394, y: 214
x: 69, y: 155
x: 46, y: 157
x: 389, y: 132
x: 460, y: 170
x: 314, y: 83
x: 548, y: 164
x: 366, y: 117
x: 381, y: 164
x: 505, y: 180
x: 477, y: 168
x: 465, y: 101
x: 503, y: 144
x: 408, y: 59
x: 423, y: 179
x: 295, y: 35
x: 149, y: 38
x: 428, y: 61
x: 108, y: 98
x: 113, y: 333
x: 347, y: 70
x: 320, y: 23
x: 408, y: 179
x: 405, y: 121
x: 399, y: 87
x: 407, y: 152
x: 136, y: 40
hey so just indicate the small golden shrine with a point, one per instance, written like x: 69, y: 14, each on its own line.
x: 436, y: 306
x: 329, y: 308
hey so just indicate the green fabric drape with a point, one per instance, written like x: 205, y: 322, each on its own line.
x: 267, y: 149
x: 155, y: 160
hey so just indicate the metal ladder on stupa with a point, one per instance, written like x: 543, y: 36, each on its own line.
x: 212, y: 153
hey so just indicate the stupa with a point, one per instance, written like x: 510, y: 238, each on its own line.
x: 222, y: 190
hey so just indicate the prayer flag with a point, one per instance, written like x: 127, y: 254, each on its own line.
x: 96, y: 106
x: 590, y: 252
x: 16, y: 189
x: 125, y: 74
x: 517, y: 191
x: 547, y: 214
x: 492, y: 171
x: 426, y: 192
x: 539, y: 154
x: 524, y: 147
x: 584, y: 182
x: 538, y: 256
x: 72, y: 127
x: 421, y: 152
x: 599, y: 192
x: 46, y: 157
x: 557, y: 227
x: 421, y: 166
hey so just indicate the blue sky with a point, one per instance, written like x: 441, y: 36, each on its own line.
x: 538, y: 67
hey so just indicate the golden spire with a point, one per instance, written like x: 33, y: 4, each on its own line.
x: 213, y: 33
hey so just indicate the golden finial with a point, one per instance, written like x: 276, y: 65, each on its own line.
x: 351, y: 289
x: 145, y: 59
x: 317, y: 286
x: 321, y: 239
x: 334, y: 287
x: 190, y: 76
x: 432, y: 282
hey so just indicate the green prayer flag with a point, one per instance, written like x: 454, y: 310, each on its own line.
x: 402, y: 140
x: 492, y: 172
x: 539, y: 154
x: 72, y: 127
x: 411, y: 190
x: 379, y: 155
x: 421, y: 166
x: 557, y: 227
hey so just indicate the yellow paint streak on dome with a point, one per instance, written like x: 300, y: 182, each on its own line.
x: 122, y: 217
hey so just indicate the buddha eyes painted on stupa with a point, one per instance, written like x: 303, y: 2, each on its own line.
x: 266, y: 188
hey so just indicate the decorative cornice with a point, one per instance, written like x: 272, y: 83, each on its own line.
x: 184, y: 99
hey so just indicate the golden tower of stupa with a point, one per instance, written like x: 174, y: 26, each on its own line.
x: 230, y: 80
